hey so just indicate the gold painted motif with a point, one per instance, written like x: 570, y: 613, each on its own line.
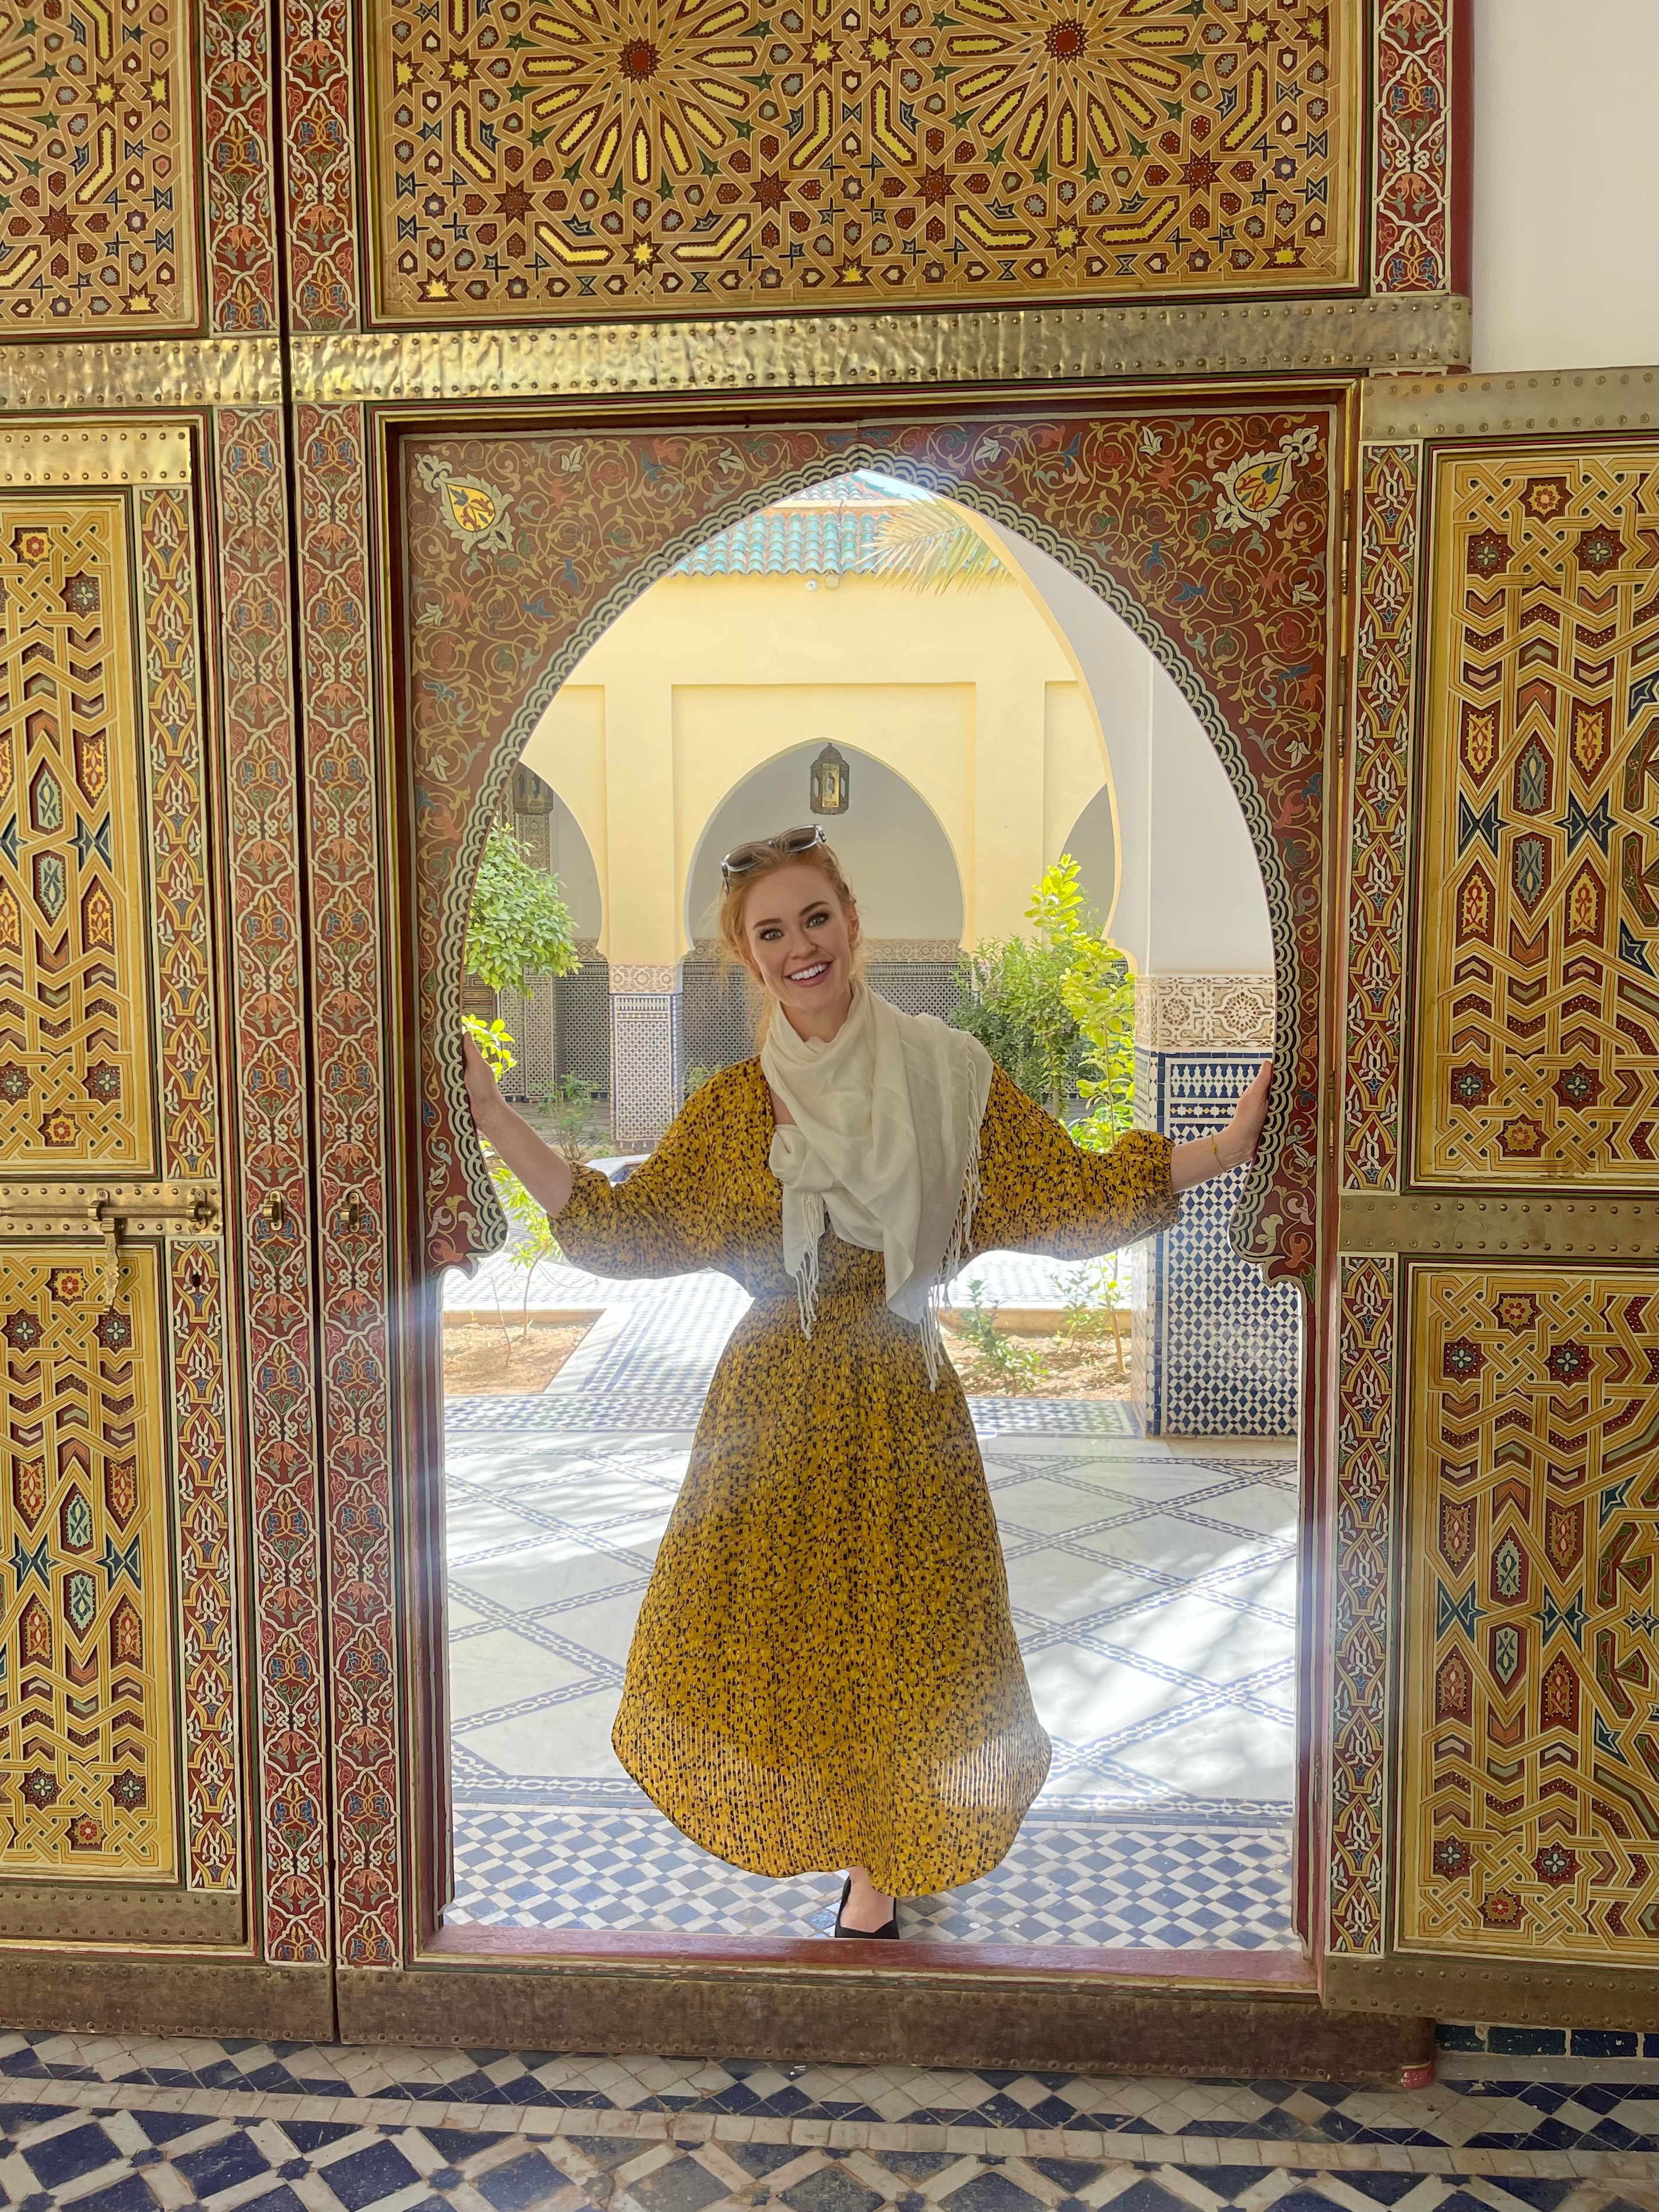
x: 1538, y: 991
x: 1529, y: 1822
x: 540, y: 159
x: 75, y: 1057
x: 87, y: 1743
x: 97, y: 167
x: 182, y: 946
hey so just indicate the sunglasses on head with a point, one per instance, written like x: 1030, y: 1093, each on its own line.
x: 743, y: 859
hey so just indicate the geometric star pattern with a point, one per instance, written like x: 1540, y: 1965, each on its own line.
x: 539, y: 158
x: 97, y: 169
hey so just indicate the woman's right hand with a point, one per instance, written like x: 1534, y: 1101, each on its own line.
x: 544, y: 1173
x: 483, y: 1092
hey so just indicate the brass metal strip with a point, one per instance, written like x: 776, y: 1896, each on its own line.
x: 72, y: 376
x: 843, y: 351
x: 1538, y: 1228
x: 97, y: 1911
x: 1555, y: 1993
x: 97, y: 1209
x: 106, y: 453
x: 1407, y: 332
x: 1394, y: 407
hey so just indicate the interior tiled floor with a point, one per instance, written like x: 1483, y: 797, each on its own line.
x: 1153, y: 1593
x: 132, y: 2124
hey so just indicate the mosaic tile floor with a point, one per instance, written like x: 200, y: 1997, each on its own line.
x: 1153, y: 1593
x: 114, y: 2123
x: 645, y: 1364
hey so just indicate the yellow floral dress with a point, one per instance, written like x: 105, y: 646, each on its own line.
x: 824, y: 1672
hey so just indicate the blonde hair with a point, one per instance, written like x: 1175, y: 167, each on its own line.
x: 734, y: 898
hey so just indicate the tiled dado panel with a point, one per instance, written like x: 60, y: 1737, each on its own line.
x: 1528, y: 1823
x: 1222, y: 584
x: 1217, y: 1347
x: 119, y: 1703
x: 647, y: 1052
x: 547, y: 158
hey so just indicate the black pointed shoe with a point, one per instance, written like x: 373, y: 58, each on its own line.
x: 887, y: 1933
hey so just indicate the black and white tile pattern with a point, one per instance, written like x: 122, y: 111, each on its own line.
x: 111, y: 2124
x: 1070, y: 1880
x: 1152, y: 1590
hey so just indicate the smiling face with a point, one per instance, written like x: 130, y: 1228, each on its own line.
x: 800, y: 938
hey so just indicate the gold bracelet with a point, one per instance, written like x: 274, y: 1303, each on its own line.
x: 1216, y: 1149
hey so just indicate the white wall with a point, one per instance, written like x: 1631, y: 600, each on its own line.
x: 1188, y: 898
x: 895, y: 856
x: 572, y: 864
x: 1092, y: 844
x: 1566, y: 245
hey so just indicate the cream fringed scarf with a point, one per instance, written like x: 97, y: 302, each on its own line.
x: 885, y: 1145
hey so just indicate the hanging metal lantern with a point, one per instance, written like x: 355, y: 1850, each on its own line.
x: 831, y: 783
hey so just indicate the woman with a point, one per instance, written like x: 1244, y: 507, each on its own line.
x: 824, y: 1672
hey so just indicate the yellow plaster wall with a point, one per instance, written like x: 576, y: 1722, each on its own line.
x: 1072, y: 769
x: 924, y: 731
x: 573, y: 733
x: 967, y: 694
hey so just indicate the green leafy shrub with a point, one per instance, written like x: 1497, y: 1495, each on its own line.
x: 567, y: 1104
x: 1055, y: 1009
x: 1017, y: 1367
x: 518, y: 926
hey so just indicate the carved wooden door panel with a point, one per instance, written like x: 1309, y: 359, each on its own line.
x: 1492, y: 1762
x: 126, y: 1695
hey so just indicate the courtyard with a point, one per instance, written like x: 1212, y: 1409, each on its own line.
x: 1154, y: 1590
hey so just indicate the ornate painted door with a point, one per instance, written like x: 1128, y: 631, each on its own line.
x: 1493, y: 1768
x: 130, y: 1266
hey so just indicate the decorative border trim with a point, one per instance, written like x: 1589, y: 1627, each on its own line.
x: 1384, y: 337
x: 1398, y: 407
x: 183, y: 981
x: 1361, y: 1629
x: 317, y: 118
x: 114, y: 454
x: 1205, y: 1013
x: 1412, y: 246
x: 237, y: 179
x: 211, y: 1699
x: 1383, y: 723
x: 347, y: 874
x: 189, y: 1068
x: 262, y: 803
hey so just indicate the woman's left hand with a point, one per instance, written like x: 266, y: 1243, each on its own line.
x: 1205, y: 1158
x: 1239, y: 1140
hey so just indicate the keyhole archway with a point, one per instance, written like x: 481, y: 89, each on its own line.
x: 1210, y: 531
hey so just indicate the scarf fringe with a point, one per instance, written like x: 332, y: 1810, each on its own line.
x: 956, y: 1256
x: 806, y: 1275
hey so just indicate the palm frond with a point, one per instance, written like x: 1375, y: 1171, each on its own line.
x: 932, y: 548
